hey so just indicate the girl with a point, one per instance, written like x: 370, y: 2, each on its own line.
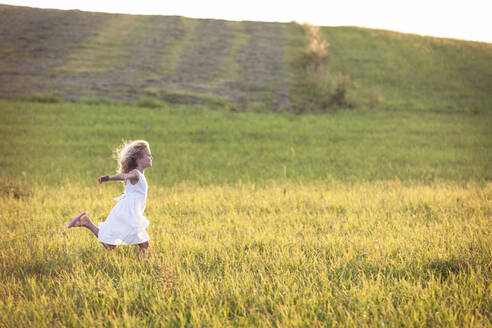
x: 125, y: 223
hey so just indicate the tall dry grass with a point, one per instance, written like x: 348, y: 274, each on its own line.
x: 316, y: 51
x: 385, y: 253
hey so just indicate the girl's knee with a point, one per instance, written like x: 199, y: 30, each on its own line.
x: 144, y: 245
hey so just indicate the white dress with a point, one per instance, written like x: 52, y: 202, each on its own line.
x: 125, y: 223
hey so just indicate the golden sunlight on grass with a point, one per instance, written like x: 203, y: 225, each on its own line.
x: 376, y: 253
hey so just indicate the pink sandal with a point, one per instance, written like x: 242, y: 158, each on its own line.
x: 77, y: 218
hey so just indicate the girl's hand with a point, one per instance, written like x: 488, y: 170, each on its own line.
x: 103, y: 178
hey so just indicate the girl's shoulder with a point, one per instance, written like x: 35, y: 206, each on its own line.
x: 135, y: 171
x: 134, y: 176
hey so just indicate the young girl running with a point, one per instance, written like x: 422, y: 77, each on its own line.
x: 125, y: 223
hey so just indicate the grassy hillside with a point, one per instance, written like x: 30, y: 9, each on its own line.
x: 73, y: 55
x: 413, y: 72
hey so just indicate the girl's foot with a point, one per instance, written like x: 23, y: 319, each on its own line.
x: 82, y: 220
x: 77, y: 222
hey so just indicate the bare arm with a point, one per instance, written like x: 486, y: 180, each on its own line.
x: 132, y: 176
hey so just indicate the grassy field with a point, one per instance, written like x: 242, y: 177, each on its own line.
x: 374, y: 215
x: 357, y: 218
x: 49, y: 143
x: 370, y: 254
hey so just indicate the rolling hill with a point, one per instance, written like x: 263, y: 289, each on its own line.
x: 53, y: 55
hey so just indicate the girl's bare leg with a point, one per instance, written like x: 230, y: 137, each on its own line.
x: 86, y: 222
x: 143, y: 249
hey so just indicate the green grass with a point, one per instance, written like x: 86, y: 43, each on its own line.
x: 413, y: 72
x: 357, y: 218
x: 51, y: 142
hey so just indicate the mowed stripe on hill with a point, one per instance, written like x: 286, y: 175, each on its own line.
x: 147, y: 44
x: 74, y: 54
x: 35, y: 41
x: 263, y: 60
x: 241, y: 61
x: 133, y: 45
x: 201, y: 61
x: 104, y: 50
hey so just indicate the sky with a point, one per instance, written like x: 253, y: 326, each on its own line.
x: 467, y: 19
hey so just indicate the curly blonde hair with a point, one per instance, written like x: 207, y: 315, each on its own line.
x: 127, y: 154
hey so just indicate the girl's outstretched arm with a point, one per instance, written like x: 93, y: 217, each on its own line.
x: 132, y: 176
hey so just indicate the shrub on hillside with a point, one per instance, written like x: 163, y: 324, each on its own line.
x: 316, y: 52
x: 339, y: 97
x: 150, y: 102
x: 320, y: 91
x: 374, y: 98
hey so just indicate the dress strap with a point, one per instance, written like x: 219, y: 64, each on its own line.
x: 136, y: 170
